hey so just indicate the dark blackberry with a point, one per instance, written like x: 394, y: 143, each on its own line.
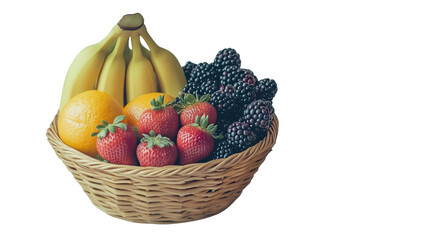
x: 233, y: 74
x: 266, y: 89
x: 222, y: 125
x: 202, y: 73
x: 226, y: 106
x: 227, y: 75
x: 226, y: 57
x: 208, y: 87
x: 258, y: 115
x: 244, y: 92
x: 240, y: 136
x: 221, y: 150
x: 228, y: 88
x: 192, y: 87
x: 246, y: 75
x: 188, y: 68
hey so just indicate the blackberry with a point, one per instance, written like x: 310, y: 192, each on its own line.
x: 226, y: 57
x: 208, y: 87
x: 226, y: 106
x: 244, y: 92
x: 188, y: 68
x: 266, y: 89
x: 258, y: 115
x: 227, y: 75
x: 202, y: 72
x: 246, y: 75
x: 222, y: 125
x: 221, y: 150
x: 240, y: 136
x: 233, y: 74
x: 228, y: 88
x: 192, y: 87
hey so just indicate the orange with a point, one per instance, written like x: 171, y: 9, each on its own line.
x: 80, y: 116
x: 135, y: 108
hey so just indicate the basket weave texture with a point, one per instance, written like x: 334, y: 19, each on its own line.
x: 169, y: 194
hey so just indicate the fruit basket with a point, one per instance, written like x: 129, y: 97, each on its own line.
x: 169, y: 194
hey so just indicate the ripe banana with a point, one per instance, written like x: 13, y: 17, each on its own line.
x: 112, y: 75
x: 83, y: 73
x: 169, y: 72
x: 127, y: 54
x: 140, y: 75
x: 145, y: 52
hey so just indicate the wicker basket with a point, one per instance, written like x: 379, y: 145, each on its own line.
x: 169, y: 194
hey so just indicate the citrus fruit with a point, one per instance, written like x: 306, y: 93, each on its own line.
x: 80, y: 116
x: 135, y: 108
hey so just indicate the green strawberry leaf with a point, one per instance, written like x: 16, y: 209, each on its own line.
x: 189, y: 98
x: 111, y: 128
x: 119, y: 119
x: 100, y: 158
x: 156, y: 140
x: 102, y: 133
x: 123, y: 126
x: 150, y: 144
x: 204, y: 121
x: 99, y: 127
x: 205, y: 98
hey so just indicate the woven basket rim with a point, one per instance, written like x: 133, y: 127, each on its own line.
x: 127, y: 171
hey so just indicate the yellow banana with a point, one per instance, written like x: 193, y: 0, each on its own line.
x: 127, y: 54
x: 140, y: 75
x: 83, y: 73
x: 145, y: 51
x: 112, y: 75
x: 169, y: 72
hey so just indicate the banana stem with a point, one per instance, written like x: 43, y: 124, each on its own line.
x: 114, y: 33
x: 148, y: 39
x: 135, y: 41
x: 120, y: 44
x: 131, y: 21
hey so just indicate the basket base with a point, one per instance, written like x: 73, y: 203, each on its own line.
x: 164, y: 195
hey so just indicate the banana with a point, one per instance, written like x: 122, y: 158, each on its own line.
x: 112, y: 75
x: 145, y: 52
x: 140, y: 75
x: 127, y: 54
x: 169, y: 72
x: 83, y: 73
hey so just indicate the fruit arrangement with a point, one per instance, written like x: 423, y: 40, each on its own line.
x: 139, y: 106
x: 160, y: 125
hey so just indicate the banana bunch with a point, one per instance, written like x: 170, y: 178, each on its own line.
x: 112, y: 67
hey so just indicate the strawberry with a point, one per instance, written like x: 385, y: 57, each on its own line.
x: 162, y: 119
x: 190, y: 106
x: 156, y: 151
x: 195, y: 141
x: 116, y: 142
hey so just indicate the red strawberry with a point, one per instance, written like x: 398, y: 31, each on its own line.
x: 116, y: 142
x: 162, y: 119
x: 156, y: 151
x: 189, y: 107
x: 195, y: 141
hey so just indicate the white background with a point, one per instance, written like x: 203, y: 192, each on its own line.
x: 351, y: 160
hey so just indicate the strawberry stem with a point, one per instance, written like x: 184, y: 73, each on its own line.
x: 156, y: 140
x: 188, y: 99
x: 159, y: 104
x: 202, y: 123
x: 106, y: 127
